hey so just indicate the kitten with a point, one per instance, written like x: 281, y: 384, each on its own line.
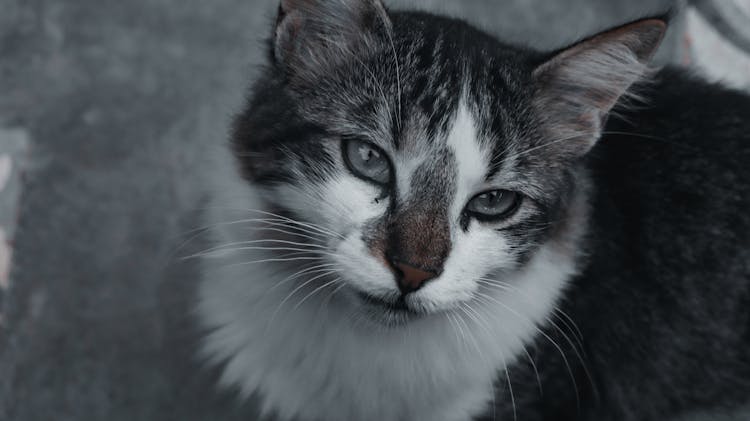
x: 415, y: 221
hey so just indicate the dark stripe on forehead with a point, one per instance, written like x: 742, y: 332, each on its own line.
x: 432, y: 87
x: 434, y: 181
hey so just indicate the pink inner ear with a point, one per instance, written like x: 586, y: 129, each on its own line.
x: 596, y: 72
x: 580, y: 85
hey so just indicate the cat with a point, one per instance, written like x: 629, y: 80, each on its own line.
x: 416, y: 221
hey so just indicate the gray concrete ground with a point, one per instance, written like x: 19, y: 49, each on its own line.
x: 116, y: 101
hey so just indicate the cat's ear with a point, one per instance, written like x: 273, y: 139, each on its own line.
x: 578, y: 86
x: 311, y: 35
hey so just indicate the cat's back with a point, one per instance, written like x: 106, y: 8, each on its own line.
x: 668, y: 273
x: 678, y: 165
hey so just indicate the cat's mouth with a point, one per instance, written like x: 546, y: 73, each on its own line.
x: 391, y: 312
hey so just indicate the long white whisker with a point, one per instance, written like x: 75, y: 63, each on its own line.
x: 378, y: 84
x: 510, y: 388
x: 464, y: 341
x: 277, y: 217
x: 306, y: 271
x: 247, y: 248
x: 315, y: 291
x: 541, y: 332
x: 230, y: 246
x: 335, y: 290
x: 536, y: 371
x: 268, y: 225
x: 524, y: 152
x: 277, y: 259
x: 294, y: 291
x: 304, y: 224
x: 453, y: 326
x: 484, y: 324
x: 580, y: 358
x: 572, y: 323
x: 275, y: 226
x: 398, y: 78
x: 462, y: 308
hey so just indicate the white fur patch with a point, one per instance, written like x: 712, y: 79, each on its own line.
x: 314, y: 363
x: 471, y: 158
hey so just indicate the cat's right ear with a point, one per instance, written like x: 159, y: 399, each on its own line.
x: 578, y: 86
x: 311, y: 36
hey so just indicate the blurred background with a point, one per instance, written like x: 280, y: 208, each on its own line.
x: 106, y: 111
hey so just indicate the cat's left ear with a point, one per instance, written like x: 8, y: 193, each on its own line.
x: 312, y: 36
x: 578, y: 86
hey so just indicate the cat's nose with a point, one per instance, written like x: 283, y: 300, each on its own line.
x: 410, y: 277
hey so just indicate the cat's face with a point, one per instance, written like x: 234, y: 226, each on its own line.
x: 435, y: 206
x: 421, y: 152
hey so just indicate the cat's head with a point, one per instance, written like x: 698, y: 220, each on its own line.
x: 427, y: 159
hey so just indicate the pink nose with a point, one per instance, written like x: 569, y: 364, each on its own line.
x: 412, y: 278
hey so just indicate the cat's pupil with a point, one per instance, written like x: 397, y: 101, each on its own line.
x: 491, y: 198
x: 368, y: 154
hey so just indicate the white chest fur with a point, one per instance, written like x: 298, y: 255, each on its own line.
x: 313, y: 362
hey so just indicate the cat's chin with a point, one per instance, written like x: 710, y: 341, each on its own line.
x: 388, y: 313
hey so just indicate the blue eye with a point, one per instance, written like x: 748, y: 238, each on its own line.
x: 494, y: 204
x: 367, y: 161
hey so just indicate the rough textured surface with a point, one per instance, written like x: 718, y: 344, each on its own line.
x: 118, y: 101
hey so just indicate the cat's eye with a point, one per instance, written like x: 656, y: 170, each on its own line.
x: 367, y: 161
x: 493, y: 204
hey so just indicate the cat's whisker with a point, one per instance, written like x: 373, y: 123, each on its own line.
x: 531, y: 360
x: 276, y: 217
x: 286, y: 258
x: 515, y: 156
x: 309, y: 225
x: 465, y: 308
x: 449, y: 317
x: 464, y: 342
x: 483, y: 321
x: 295, y: 290
x: 570, y: 342
x: 492, y: 284
x: 224, y: 251
x: 534, y: 326
x: 572, y: 322
x: 273, y: 225
x: 484, y: 325
x: 313, y: 292
x: 510, y: 387
x: 508, y: 287
x: 398, y: 75
x: 478, y: 348
x: 306, y: 271
x: 326, y: 301
x: 233, y: 246
x: 536, y: 370
x: 379, y: 85
x: 574, y: 332
x: 200, y: 230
